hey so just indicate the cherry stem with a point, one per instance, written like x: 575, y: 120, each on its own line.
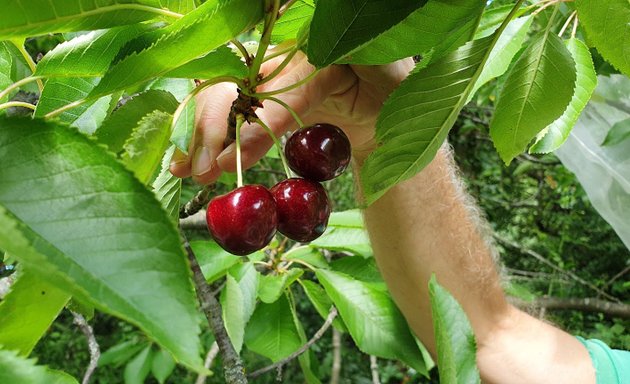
x: 286, y: 106
x: 277, y: 144
x: 243, y: 50
x: 240, y: 119
x: 278, y: 53
x: 280, y: 67
x: 61, y: 110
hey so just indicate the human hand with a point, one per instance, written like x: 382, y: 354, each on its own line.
x: 347, y: 96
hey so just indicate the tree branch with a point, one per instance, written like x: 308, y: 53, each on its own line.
x: 608, y: 308
x: 212, y: 354
x: 93, y: 347
x: 544, y: 260
x: 374, y: 368
x: 199, y: 202
x: 336, y: 364
x: 318, y: 335
x: 232, y: 364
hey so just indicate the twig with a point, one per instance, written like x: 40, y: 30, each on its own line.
x: 336, y: 364
x: 197, y: 203
x: 95, y: 350
x: 612, y: 280
x: 374, y: 367
x: 232, y: 364
x: 318, y: 335
x: 553, y: 266
x: 212, y: 354
x: 579, y: 304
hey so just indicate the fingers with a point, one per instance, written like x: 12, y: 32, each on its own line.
x: 213, y: 106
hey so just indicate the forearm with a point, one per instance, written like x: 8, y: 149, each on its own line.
x: 424, y: 226
x: 429, y: 225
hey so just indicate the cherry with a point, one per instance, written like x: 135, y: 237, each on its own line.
x: 318, y: 152
x: 303, y: 208
x: 244, y: 220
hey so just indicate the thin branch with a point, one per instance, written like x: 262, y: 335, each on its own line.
x: 318, y: 335
x: 336, y: 364
x: 374, y: 368
x: 232, y: 364
x: 579, y: 304
x: 197, y: 203
x: 553, y: 266
x: 95, y: 350
x: 212, y: 354
x: 617, y: 276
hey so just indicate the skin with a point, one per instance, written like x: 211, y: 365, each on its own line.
x: 443, y: 231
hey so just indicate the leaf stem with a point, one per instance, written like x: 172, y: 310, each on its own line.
x: 17, y: 104
x: 280, y: 67
x: 566, y: 24
x: 288, y: 108
x: 19, y: 44
x: 277, y: 144
x: 271, y: 8
x: 18, y: 84
x: 240, y: 119
x: 279, y: 53
x: 61, y: 110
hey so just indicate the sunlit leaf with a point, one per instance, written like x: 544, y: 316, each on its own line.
x: 15, y: 369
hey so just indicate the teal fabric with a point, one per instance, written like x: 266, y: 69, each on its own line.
x: 612, y: 366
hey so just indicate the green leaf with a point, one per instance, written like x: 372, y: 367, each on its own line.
x: 62, y: 91
x: 143, y: 151
x: 167, y: 188
x: 233, y: 312
x: 536, y: 92
x: 503, y: 52
x: 120, y: 353
x: 185, y: 125
x: 138, y: 369
x: 88, y: 55
x: 179, y: 6
x: 491, y: 19
x: 552, y: 137
x: 78, y: 219
x: 197, y: 33
x: 28, y: 311
x: 220, y: 62
x: 456, y: 347
x: 607, y: 27
x: 271, y: 331
x: 18, y: 370
x: 346, y: 232
x: 118, y: 127
x: 271, y: 287
x: 339, y: 26
x: 442, y: 25
x: 289, y: 25
x: 416, y: 118
x: 373, y: 320
x: 308, y: 255
x: 162, y: 365
x: 618, y: 133
x: 321, y: 302
x: 248, y: 283
x: 6, y: 67
x: 361, y: 269
x: 213, y: 259
x: 24, y: 18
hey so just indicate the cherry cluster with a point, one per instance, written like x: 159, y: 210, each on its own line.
x: 246, y: 219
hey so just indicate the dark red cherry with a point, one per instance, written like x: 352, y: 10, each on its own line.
x: 244, y: 220
x: 303, y: 208
x: 318, y: 152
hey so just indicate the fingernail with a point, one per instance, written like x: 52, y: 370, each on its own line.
x: 202, y: 161
x: 227, y: 152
